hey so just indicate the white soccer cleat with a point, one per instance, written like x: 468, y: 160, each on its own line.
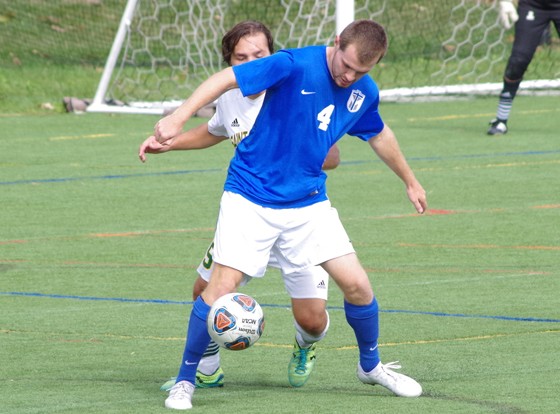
x: 497, y: 127
x: 398, y: 384
x: 180, y: 396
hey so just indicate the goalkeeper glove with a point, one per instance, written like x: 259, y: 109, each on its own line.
x: 508, y: 14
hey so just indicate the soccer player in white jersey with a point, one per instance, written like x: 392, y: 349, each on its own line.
x: 234, y: 118
x: 275, y: 197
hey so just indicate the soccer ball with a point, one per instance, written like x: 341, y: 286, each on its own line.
x: 235, y: 321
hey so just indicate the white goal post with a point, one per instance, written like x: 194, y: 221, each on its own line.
x: 98, y: 104
x: 164, y: 48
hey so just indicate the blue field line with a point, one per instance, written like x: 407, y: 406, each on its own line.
x: 109, y: 177
x: 182, y: 172
x: 341, y: 308
x: 461, y: 156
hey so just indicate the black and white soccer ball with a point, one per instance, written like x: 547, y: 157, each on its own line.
x: 235, y: 321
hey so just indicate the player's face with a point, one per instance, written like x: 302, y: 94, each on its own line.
x: 345, y: 66
x: 249, y: 48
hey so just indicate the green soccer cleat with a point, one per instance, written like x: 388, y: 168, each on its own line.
x: 301, y: 364
x: 210, y: 381
x: 202, y: 381
x: 168, y: 384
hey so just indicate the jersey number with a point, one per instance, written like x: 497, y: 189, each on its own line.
x: 208, y: 259
x: 324, y: 117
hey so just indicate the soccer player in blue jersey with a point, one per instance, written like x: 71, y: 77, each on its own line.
x: 234, y: 118
x: 274, y: 196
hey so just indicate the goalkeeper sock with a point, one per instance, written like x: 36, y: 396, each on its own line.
x: 365, y: 322
x: 197, y: 341
x: 506, y: 100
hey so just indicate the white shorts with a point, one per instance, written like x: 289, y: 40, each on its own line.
x: 247, y: 235
x: 310, y: 283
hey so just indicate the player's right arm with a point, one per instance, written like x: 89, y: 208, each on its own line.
x: 208, y: 91
x: 195, y: 138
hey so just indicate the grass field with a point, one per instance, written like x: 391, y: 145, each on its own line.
x: 98, y: 253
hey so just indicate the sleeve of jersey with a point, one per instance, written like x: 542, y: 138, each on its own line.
x: 215, y: 124
x: 370, y: 123
x: 261, y: 74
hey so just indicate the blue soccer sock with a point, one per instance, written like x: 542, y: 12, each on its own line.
x: 365, y: 322
x: 196, y: 343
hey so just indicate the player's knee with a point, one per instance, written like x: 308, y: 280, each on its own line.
x: 358, y: 294
x: 517, y: 65
x: 313, y: 324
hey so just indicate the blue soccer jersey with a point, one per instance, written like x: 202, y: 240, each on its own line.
x: 279, y: 164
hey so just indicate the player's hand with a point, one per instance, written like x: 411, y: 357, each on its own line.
x: 152, y: 146
x: 417, y: 196
x: 508, y: 13
x: 167, y: 127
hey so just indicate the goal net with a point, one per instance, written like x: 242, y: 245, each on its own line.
x: 164, y: 48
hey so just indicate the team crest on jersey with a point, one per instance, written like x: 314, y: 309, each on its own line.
x: 355, y: 100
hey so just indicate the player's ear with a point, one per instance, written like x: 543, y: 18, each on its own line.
x: 337, y: 41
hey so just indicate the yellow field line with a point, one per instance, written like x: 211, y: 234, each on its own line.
x: 97, y: 338
x: 74, y: 137
x: 484, y: 115
x: 493, y: 165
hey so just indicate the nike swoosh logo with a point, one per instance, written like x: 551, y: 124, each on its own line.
x: 190, y: 363
x: 304, y: 92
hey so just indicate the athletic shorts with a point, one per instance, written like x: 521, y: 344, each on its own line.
x: 248, y: 235
x: 310, y: 283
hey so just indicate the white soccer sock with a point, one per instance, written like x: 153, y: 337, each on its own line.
x: 209, y: 364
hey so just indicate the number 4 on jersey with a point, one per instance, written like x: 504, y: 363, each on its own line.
x: 324, y: 117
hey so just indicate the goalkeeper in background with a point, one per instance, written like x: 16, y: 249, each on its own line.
x: 531, y: 18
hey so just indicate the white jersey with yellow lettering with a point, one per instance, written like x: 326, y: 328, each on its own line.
x: 235, y: 115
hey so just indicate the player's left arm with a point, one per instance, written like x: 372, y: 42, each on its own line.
x: 387, y: 149
x: 196, y: 138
